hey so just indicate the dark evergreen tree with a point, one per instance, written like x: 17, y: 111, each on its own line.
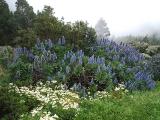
x: 46, y: 25
x: 24, y: 14
x: 7, y: 24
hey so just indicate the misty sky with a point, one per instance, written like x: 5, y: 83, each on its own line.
x: 122, y: 16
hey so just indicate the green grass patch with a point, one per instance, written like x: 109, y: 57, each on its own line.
x: 135, y: 106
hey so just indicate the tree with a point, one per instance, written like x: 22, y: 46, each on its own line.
x: 25, y: 38
x: 7, y: 26
x: 24, y: 14
x: 102, y: 30
x: 22, y: 27
x: 145, y: 39
x: 83, y: 34
x: 46, y: 25
x: 48, y: 11
x: 77, y: 34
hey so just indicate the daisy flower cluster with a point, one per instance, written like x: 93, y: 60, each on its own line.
x: 47, y: 95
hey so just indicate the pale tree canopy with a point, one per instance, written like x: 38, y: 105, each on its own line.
x: 101, y: 28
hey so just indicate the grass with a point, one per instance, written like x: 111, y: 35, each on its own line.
x: 135, y: 106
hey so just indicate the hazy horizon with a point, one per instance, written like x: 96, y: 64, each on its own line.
x: 123, y: 17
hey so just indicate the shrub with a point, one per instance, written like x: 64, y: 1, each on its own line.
x: 12, y: 104
x: 21, y: 72
x: 6, y: 56
x: 153, y: 50
x: 63, y: 114
x: 155, y: 65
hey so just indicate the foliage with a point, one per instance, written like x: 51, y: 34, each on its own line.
x: 152, y: 39
x: 46, y: 25
x: 78, y: 34
x: 25, y: 38
x: 84, y: 73
x: 6, y: 56
x: 75, y: 67
x: 63, y: 114
x: 135, y: 106
x: 149, y: 44
x: 13, y: 105
x: 84, y: 36
x: 4, y: 76
x: 7, y: 23
x: 22, y: 26
x: 21, y: 72
x: 155, y: 65
x: 153, y: 50
x: 77, y: 61
x: 24, y: 14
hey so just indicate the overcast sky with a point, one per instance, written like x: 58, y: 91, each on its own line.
x: 122, y: 16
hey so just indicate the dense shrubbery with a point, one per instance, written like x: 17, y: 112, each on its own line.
x: 149, y: 46
x: 64, y: 114
x: 12, y: 104
x: 145, y: 44
x: 103, y: 67
x: 21, y: 72
x: 152, y: 39
x: 155, y: 65
x: 6, y: 56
